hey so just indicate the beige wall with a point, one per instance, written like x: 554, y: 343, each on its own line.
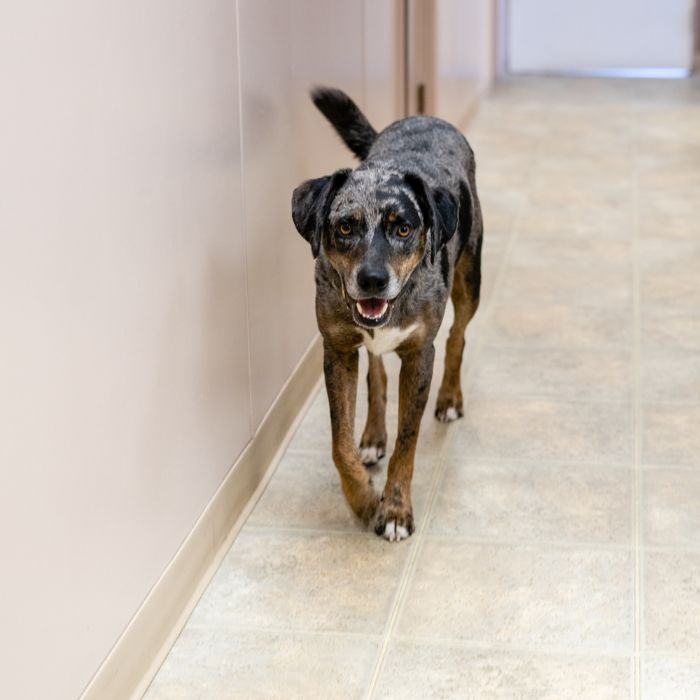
x: 154, y: 296
x: 465, y: 56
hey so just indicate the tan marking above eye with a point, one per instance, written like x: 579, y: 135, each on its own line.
x: 392, y: 216
x: 403, y: 230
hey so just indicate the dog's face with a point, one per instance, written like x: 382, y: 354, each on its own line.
x: 375, y: 229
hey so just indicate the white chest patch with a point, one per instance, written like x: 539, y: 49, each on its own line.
x: 387, y: 339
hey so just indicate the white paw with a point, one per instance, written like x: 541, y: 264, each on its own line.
x: 448, y: 415
x: 371, y: 455
x: 394, y: 532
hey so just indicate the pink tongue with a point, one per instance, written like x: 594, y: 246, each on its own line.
x: 372, y: 307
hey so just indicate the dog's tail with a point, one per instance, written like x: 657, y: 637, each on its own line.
x: 347, y: 119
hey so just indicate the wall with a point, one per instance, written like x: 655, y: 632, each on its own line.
x: 154, y: 296
x: 464, y: 56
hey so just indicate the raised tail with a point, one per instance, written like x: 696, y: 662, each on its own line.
x: 347, y: 119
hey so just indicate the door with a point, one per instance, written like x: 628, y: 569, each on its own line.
x: 653, y: 38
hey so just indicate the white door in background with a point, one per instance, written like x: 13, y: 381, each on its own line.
x: 642, y: 37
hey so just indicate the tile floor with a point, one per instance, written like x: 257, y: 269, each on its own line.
x: 557, y: 553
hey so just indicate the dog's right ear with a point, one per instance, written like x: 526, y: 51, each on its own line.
x: 311, y: 203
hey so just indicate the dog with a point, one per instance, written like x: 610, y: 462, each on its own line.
x: 392, y: 239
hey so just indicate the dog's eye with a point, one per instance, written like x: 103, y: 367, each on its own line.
x: 403, y: 230
x: 344, y: 228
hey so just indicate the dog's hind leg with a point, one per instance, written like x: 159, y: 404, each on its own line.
x: 340, y: 369
x: 465, y: 298
x: 373, y: 442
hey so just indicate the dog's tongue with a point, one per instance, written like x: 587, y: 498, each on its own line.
x: 372, y: 308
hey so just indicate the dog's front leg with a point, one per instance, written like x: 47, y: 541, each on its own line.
x: 395, y: 516
x: 340, y: 369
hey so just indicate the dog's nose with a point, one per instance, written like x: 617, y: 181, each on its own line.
x: 372, y: 280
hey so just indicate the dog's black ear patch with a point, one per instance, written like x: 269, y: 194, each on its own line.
x: 439, y: 209
x: 311, y: 203
x: 447, y: 210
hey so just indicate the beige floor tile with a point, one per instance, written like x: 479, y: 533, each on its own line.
x: 615, y: 167
x: 585, y: 271
x: 596, y: 433
x: 669, y: 274
x: 557, y: 325
x: 549, y: 285
x: 670, y: 434
x: 534, y: 503
x: 536, y: 250
x: 500, y: 174
x: 571, y: 194
x: 490, y: 265
x: 671, y: 507
x: 418, y: 670
x: 305, y: 492
x: 668, y: 129
x: 671, y: 174
x: 670, y: 331
x: 671, y: 588
x: 522, y: 595
x: 669, y: 217
x: 304, y: 581
x: 670, y: 678
x: 218, y: 664
x: 670, y: 376
x: 564, y: 374
x: 595, y: 220
x: 506, y: 140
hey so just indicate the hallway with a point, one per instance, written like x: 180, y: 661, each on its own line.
x: 557, y: 549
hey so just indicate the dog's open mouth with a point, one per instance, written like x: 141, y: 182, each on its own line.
x: 372, y: 312
x: 372, y: 309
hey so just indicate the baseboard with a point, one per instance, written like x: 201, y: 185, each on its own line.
x: 135, y: 658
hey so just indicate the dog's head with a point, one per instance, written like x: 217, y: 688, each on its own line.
x: 375, y: 229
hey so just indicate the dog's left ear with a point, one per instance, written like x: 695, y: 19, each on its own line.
x: 311, y: 203
x: 439, y: 209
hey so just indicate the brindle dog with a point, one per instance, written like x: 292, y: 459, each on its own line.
x: 387, y: 258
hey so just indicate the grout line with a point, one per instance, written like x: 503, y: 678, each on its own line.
x: 528, y: 648
x: 544, y: 462
x: 523, y: 397
x: 282, y: 629
x: 409, y: 569
x: 354, y: 532
x: 577, y: 545
x: 637, y: 390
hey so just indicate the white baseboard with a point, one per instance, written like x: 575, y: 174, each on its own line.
x: 137, y: 655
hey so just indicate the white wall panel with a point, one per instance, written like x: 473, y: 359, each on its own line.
x: 124, y: 393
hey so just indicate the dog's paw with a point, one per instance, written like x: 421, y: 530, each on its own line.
x: 394, y: 524
x: 448, y: 409
x: 371, y: 454
x: 449, y: 403
x: 393, y: 532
